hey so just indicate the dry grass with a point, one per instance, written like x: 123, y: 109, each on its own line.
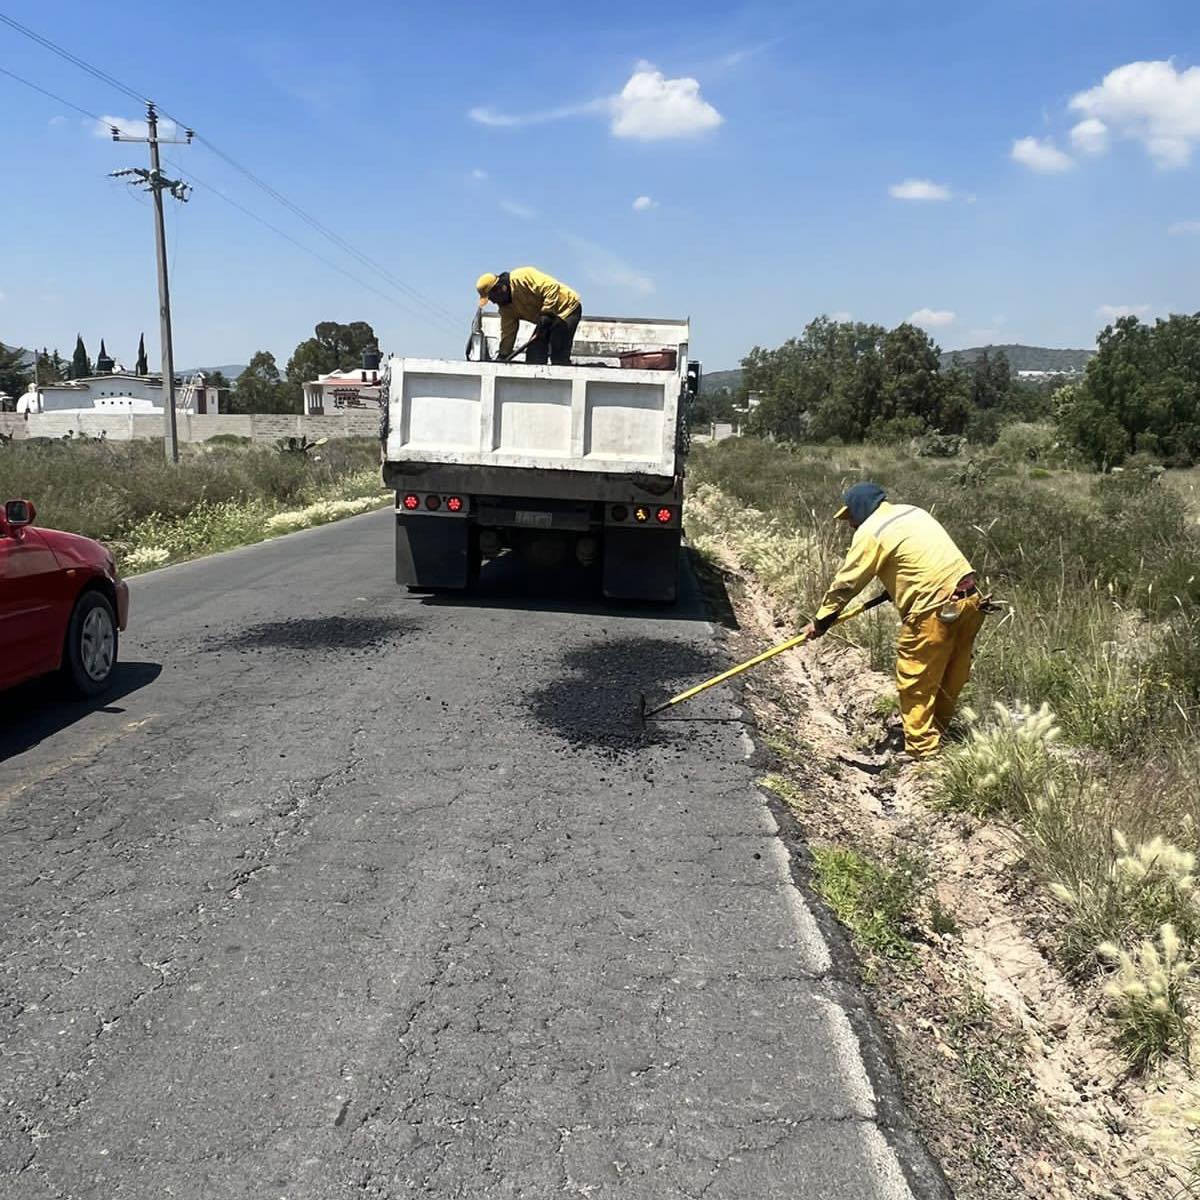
x: 126, y: 495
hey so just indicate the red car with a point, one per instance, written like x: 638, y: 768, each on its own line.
x: 62, y: 604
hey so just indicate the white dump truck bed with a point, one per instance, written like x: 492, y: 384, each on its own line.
x: 593, y: 416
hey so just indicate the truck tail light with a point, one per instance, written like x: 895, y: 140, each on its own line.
x: 620, y: 512
x: 641, y: 514
x: 433, y: 503
x: 412, y: 502
x: 454, y: 503
x: 663, y: 516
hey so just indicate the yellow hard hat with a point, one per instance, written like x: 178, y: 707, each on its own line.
x: 484, y: 284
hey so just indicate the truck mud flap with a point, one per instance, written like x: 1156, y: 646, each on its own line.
x: 432, y: 553
x: 641, y: 564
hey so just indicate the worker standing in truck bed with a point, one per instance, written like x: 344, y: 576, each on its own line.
x: 527, y: 294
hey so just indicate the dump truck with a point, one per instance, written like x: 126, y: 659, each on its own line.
x: 556, y: 464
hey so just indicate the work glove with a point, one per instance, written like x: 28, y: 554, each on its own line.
x: 816, y: 629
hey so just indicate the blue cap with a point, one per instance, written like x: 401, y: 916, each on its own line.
x: 860, y: 501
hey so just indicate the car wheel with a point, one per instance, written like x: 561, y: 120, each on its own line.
x: 91, y: 651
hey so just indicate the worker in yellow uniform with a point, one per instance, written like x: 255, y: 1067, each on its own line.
x: 527, y: 294
x: 932, y: 586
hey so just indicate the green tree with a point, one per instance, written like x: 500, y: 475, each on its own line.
x: 1141, y: 392
x: 260, y: 389
x: 81, y: 365
x: 334, y: 347
x: 14, y: 375
x: 50, y: 368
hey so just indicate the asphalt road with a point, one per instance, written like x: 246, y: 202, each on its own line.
x: 351, y: 893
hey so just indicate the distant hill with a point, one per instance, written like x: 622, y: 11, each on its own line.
x: 27, y: 356
x: 231, y: 370
x: 717, y: 381
x: 1025, y: 358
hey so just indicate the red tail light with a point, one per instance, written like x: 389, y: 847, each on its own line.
x: 433, y: 503
x: 412, y: 502
x: 663, y: 516
x: 454, y: 503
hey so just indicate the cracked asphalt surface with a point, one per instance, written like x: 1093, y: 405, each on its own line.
x: 351, y: 893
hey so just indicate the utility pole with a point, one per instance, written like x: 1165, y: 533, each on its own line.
x: 156, y: 183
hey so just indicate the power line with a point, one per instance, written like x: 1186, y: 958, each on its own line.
x: 434, y: 308
x: 430, y: 308
x: 73, y: 59
x: 58, y: 99
x: 288, y: 237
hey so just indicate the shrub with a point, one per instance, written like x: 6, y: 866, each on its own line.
x: 1146, y: 1000
x: 1023, y: 441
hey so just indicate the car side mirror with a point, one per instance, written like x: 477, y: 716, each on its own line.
x: 19, y: 513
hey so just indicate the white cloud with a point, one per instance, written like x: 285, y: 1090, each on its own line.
x: 841, y: 317
x: 1151, y: 102
x: 54, y: 122
x: 498, y: 120
x: 919, y: 189
x: 523, y: 211
x: 479, y: 173
x: 1039, y: 155
x: 603, y: 267
x: 1112, y: 312
x: 131, y: 127
x: 642, y: 203
x: 1181, y: 228
x: 650, y: 107
x: 1090, y: 136
x: 932, y: 318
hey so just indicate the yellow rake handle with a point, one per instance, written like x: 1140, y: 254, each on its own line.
x: 846, y: 615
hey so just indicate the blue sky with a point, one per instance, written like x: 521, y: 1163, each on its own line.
x: 1008, y: 170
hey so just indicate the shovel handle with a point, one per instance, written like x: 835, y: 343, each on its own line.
x: 520, y: 349
x: 845, y: 615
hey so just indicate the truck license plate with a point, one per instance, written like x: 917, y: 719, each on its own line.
x: 538, y: 520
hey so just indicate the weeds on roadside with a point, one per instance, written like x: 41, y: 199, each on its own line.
x: 1147, y: 1002
x: 878, y: 904
x: 1115, y: 895
x: 999, y: 768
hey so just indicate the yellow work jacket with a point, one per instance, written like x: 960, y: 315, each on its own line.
x: 909, y: 552
x: 533, y: 294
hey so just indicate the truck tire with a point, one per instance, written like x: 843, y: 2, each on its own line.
x: 90, y: 653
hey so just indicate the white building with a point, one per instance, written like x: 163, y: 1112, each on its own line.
x: 337, y: 390
x: 121, y: 390
x: 343, y: 389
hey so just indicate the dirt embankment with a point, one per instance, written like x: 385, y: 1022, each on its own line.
x: 1009, y: 1068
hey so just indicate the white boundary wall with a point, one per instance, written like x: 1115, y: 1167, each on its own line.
x: 123, y: 427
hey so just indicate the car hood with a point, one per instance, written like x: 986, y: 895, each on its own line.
x: 74, y: 550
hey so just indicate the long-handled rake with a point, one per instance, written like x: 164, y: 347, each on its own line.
x: 644, y: 713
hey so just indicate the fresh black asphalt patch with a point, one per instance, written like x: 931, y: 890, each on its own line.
x: 593, y: 703
x: 330, y: 635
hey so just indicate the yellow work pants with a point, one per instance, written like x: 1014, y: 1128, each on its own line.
x: 933, y: 664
